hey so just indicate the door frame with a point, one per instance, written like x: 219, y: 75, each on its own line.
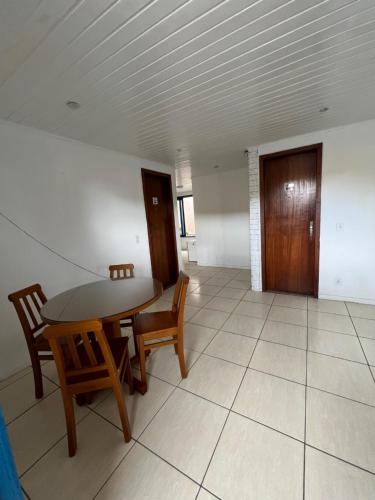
x: 318, y: 148
x: 145, y: 172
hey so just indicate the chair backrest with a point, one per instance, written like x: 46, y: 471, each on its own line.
x: 179, y: 296
x: 121, y: 271
x: 28, y: 303
x: 80, y: 349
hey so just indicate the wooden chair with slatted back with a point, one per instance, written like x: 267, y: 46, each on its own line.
x: 86, y: 361
x: 164, y: 327
x: 122, y: 272
x: 28, y: 303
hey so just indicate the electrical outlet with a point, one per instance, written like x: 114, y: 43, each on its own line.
x: 137, y: 238
x: 339, y: 226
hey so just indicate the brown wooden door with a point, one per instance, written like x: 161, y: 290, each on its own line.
x: 290, y: 191
x: 157, y: 190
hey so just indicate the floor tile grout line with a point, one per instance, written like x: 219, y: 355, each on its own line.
x: 319, y: 450
x: 48, y: 378
x: 217, y: 331
x: 17, y: 379
x: 32, y: 406
x: 208, y: 491
x: 136, y: 440
x: 359, y: 340
x: 279, y: 343
x: 305, y: 422
x: 223, y: 359
x: 340, y: 459
x: 52, y: 446
x: 248, y: 368
x: 25, y: 493
x: 314, y: 352
x: 172, y: 392
x: 278, y: 321
x: 117, y: 466
x: 338, y: 357
x: 234, y: 399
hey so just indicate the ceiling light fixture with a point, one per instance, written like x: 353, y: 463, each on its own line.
x: 324, y: 109
x: 73, y: 104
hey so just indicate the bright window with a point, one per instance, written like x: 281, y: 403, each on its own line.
x: 186, y: 222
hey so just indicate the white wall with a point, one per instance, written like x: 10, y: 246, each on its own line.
x: 221, y: 202
x: 82, y: 201
x: 348, y: 198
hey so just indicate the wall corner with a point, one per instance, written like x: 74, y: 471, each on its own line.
x: 254, y: 208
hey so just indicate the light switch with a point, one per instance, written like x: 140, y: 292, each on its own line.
x: 137, y: 238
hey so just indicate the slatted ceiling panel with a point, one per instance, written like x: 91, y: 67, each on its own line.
x: 101, y: 54
x: 23, y: 26
x: 174, y: 103
x: 31, y: 36
x: 121, y: 60
x: 212, y: 76
x: 12, y: 19
x: 164, y: 77
x: 274, y: 97
x: 64, y: 46
x: 270, y: 97
x: 158, y: 118
x: 187, y: 81
x: 95, y: 75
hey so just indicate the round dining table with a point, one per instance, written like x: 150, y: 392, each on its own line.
x: 107, y: 300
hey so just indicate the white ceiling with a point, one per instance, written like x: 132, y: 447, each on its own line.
x: 186, y: 82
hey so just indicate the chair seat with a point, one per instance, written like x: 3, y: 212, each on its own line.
x: 41, y: 343
x: 154, y: 322
x: 118, y: 347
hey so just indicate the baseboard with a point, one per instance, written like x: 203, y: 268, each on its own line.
x: 347, y: 299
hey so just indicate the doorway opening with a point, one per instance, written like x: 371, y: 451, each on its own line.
x: 186, y: 223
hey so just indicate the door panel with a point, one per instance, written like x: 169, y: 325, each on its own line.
x: 157, y: 189
x: 290, y: 224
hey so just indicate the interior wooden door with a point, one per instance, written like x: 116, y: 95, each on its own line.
x: 290, y: 208
x: 157, y: 190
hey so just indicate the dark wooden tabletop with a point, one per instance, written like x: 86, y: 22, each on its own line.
x: 106, y: 300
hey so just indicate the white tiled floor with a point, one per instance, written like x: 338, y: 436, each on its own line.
x: 279, y: 404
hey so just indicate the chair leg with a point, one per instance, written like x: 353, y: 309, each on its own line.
x: 38, y: 379
x: 122, y: 411
x: 70, y: 423
x: 181, y: 357
x: 175, y: 348
x: 142, y: 359
x: 136, y: 349
x: 129, y: 375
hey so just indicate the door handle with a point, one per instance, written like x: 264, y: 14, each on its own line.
x: 311, y: 228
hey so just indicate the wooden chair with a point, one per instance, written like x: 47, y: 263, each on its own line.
x: 28, y: 303
x: 122, y: 272
x: 86, y: 361
x: 166, y: 327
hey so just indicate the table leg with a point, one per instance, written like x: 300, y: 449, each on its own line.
x: 112, y: 329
